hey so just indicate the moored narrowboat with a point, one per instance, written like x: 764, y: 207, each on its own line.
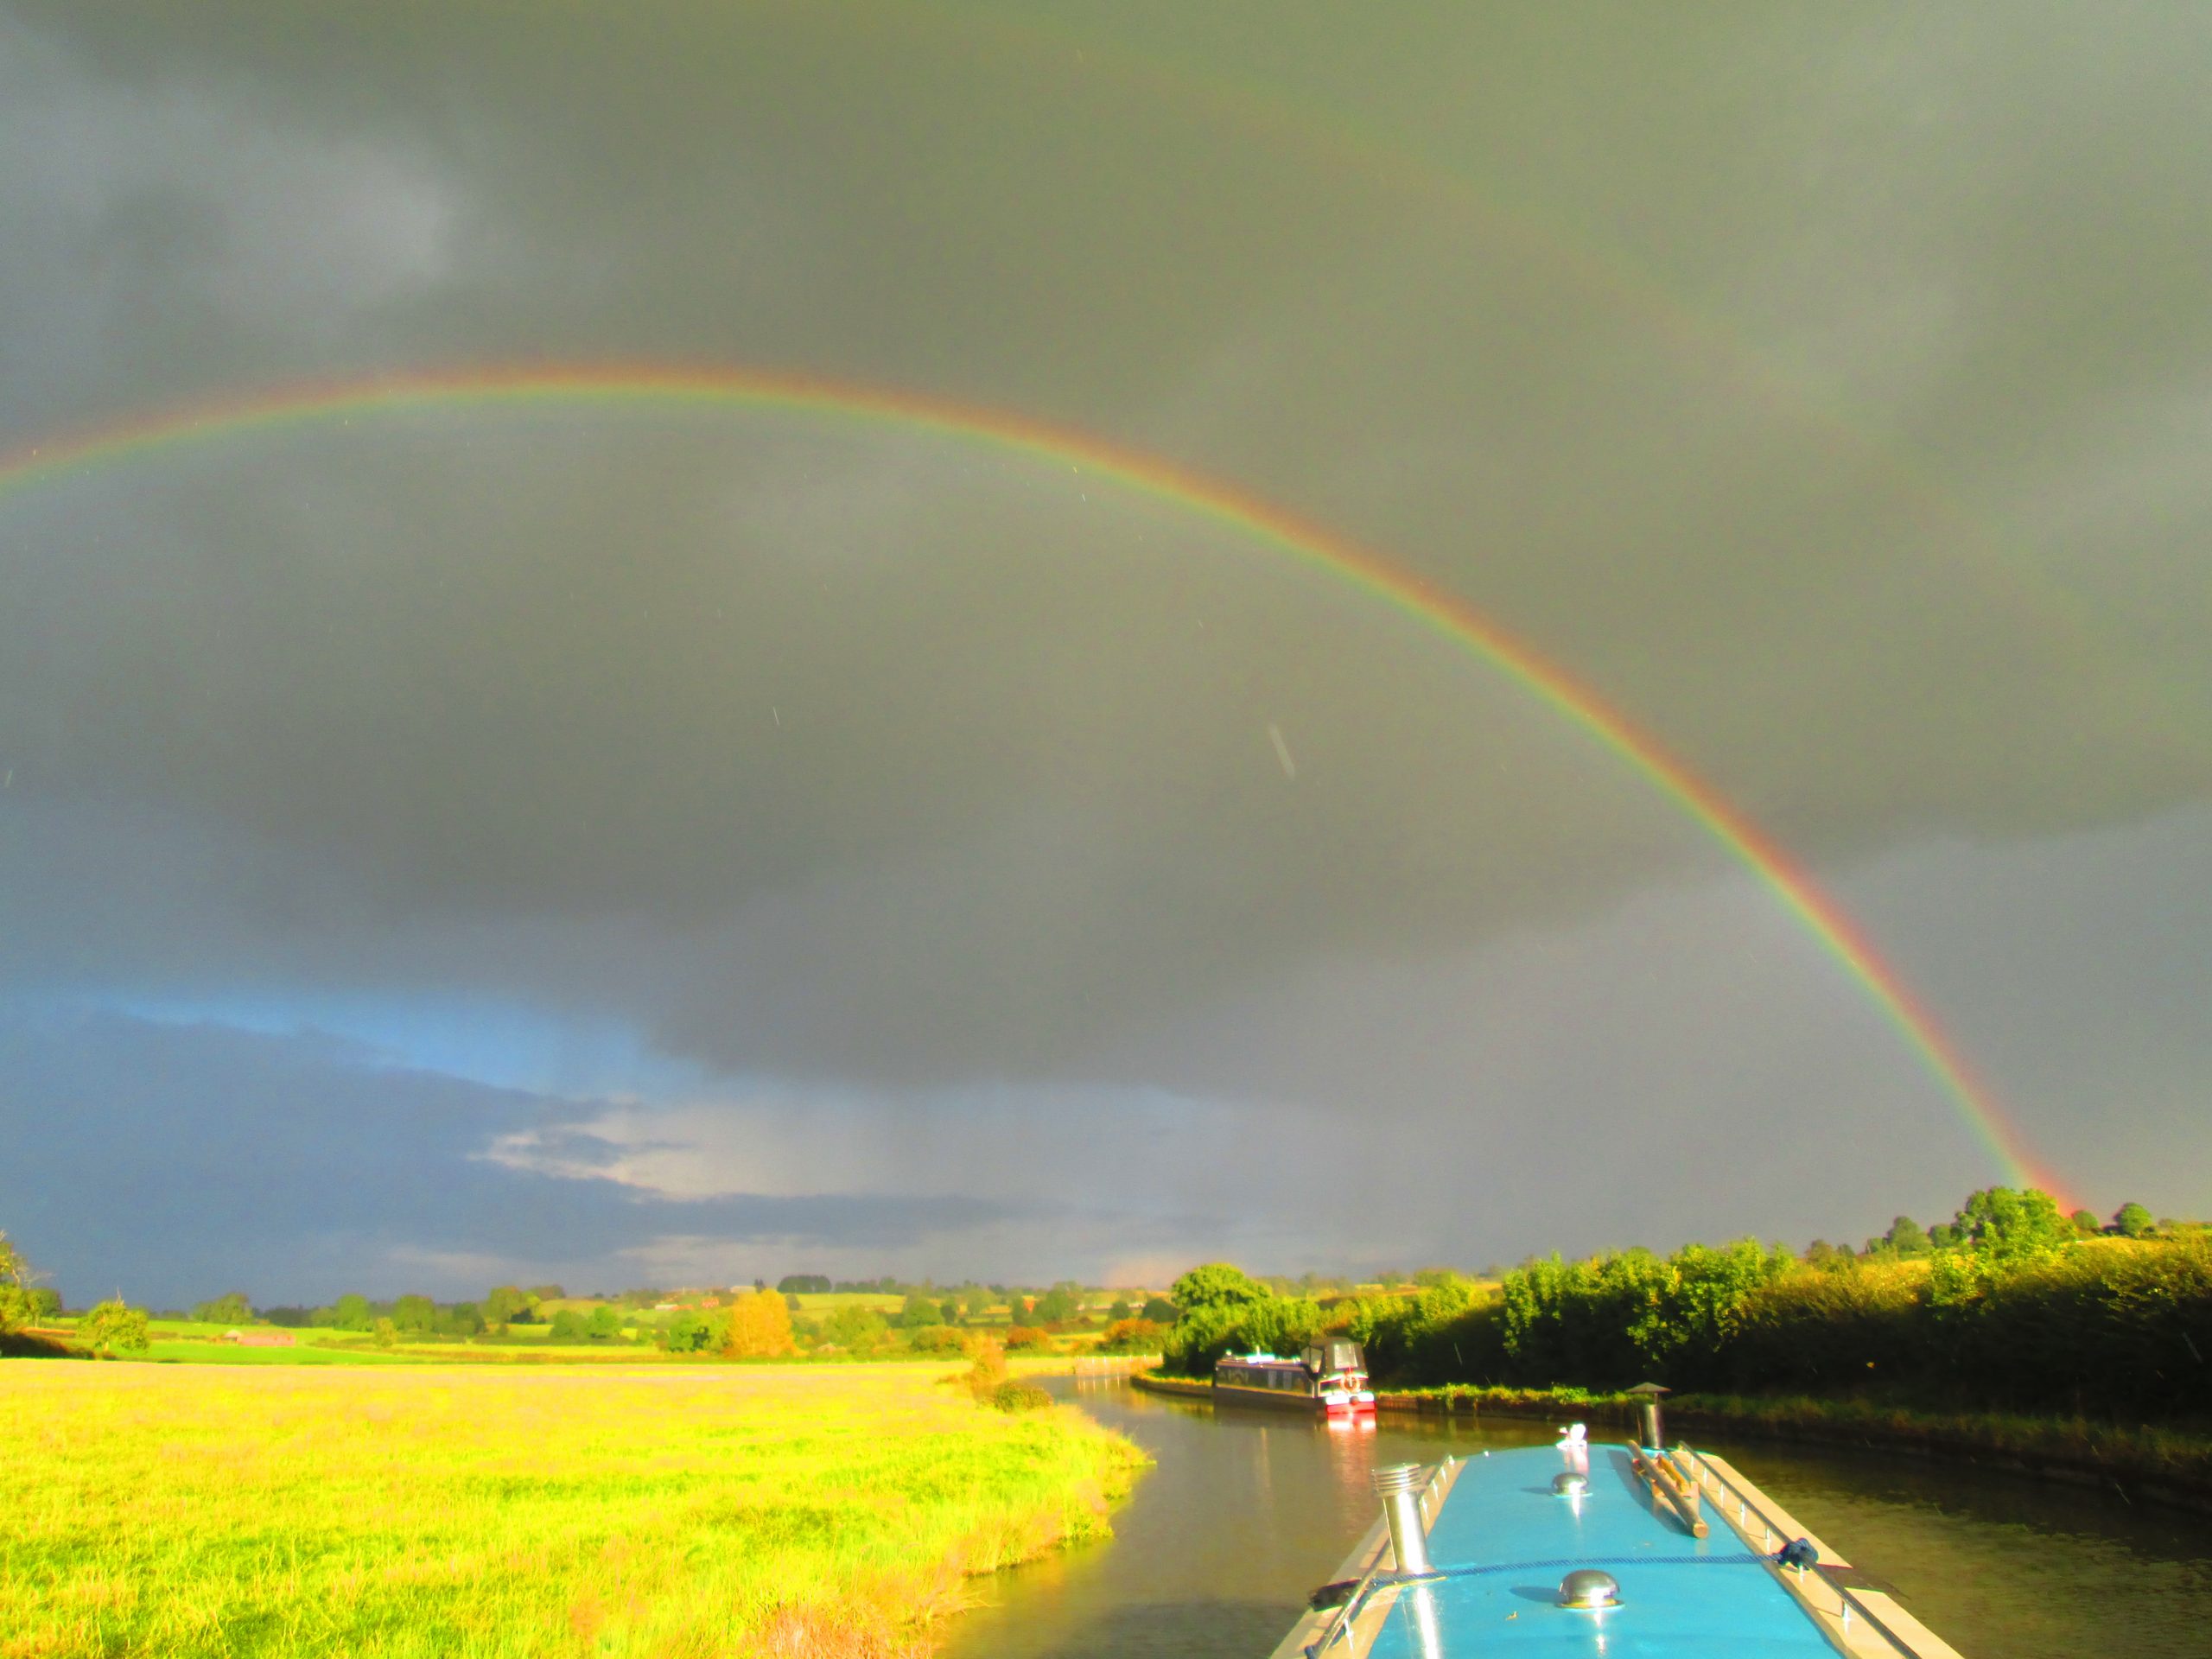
x: 1631, y: 1552
x: 1327, y: 1377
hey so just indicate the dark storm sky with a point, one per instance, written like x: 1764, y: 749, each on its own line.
x: 623, y: 842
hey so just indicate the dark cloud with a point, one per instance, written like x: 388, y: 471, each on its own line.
x: 169, y: 1159
x: 1827, y: 392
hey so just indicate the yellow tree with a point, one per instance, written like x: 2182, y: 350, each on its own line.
x: 760, y: 1327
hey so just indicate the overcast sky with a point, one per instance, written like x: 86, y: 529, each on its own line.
x: 625, y: 842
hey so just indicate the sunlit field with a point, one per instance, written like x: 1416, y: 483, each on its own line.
x: 170, y: 1509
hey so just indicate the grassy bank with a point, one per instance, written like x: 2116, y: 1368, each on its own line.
x: 2167, y: 1463
x: 181, y: 1510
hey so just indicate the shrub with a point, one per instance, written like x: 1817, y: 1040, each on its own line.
x: 1128, y: 1335
x: 1026, y: 1336
x: 988, y: 1375
x: 1019, y: 1397
x: 936, y: 1339
x: 689, y: 1332
x: 110, y: 1327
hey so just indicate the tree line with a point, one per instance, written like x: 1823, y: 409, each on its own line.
x: 2011, y: 1305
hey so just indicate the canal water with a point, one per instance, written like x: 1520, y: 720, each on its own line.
x: 1245, y: 1512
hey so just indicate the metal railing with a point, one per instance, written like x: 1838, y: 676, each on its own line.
x: 1750, y: 1505
x: 1340, y: 1626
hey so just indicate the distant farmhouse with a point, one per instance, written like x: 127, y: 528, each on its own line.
x: 259, y: 1339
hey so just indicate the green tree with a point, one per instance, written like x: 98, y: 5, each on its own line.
x: 689, y: 1332
x: 15, y: 1298
x: 548, y: 1294
x: 109, y: 1327
x: 233, y: 1308
x: 1120, y: 1310
x: 2131, y: 1221
x: 858, y: 1330
x: 414, y: 1314
x: 385, y: 1334
x: 2005, y: 1225
x: 505, y: 1304
x: 352, y: 1312
x: 2086, y: 1222
x: 569, y: 1326
x: 604, y: 1323
x: 1907, y: 1237
x: 1216, y: 1285
x: 1158, y: 1310
x: 949, y: 1310
x: 1056, y: 1305
x: 919, y: 1312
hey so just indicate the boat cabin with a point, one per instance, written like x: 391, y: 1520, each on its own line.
x: 1329, y: 1376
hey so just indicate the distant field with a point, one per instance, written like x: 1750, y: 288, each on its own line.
x: 160, y: 1510
x: 221, y: 1353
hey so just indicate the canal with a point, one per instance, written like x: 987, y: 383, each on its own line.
x: 1245, y: 1511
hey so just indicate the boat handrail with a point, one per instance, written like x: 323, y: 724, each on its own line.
x: 1356, y: 1603
x: 1917, y: 1643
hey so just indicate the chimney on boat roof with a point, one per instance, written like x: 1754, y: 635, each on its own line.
x: 1653, y: 1432
x: 1398, y: 1484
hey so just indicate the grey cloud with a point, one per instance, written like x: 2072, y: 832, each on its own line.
x: 172, y: 1161
x: 1820, y: 389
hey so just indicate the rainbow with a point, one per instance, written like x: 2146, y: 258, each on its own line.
x: 1252, y: 519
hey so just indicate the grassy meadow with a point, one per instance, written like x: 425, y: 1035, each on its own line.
x: 179, y: 1511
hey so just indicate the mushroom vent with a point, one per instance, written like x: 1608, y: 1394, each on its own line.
x: 1570, y: 1486
x: 1588, y: 1588
x: 1397, y: 1477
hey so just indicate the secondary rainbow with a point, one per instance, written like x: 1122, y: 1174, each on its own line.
x: 1255, y: 520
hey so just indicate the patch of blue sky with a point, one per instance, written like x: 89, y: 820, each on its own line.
x: 498, y: 1043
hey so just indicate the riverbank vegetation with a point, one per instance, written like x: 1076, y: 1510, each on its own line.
x: 2011, y: 1307
x: 829, y: 1512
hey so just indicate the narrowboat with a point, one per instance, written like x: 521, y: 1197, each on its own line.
x: 1327, y: 1377
x: 1630, y: 1552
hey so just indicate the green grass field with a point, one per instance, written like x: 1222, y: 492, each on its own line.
x: 186, y: 1510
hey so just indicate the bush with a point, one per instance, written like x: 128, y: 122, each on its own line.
x: 109, y: 1327
x: 1018, y: 1397
x: 1128, y: 1335
x: 988, y: 1375
x: 1026, y: 1336
x: 936, y: 1339
x: 689, y: 1332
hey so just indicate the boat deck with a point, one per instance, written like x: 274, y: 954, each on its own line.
x: 1500, y: 1541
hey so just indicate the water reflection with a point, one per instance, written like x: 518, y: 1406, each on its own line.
x: 1245, y: 1513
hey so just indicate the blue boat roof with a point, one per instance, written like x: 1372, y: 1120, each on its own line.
x: 1503, y: 1541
